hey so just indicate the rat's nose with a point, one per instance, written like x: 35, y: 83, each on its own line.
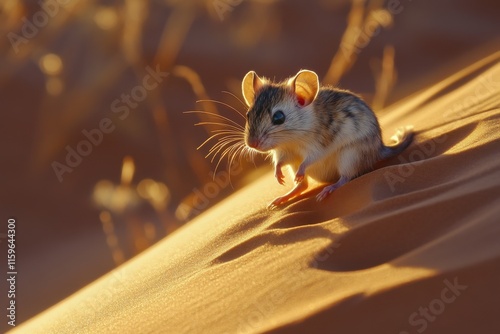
x: 253, y: 143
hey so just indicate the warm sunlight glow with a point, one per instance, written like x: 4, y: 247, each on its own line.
x: 54, y: 86
x: 107, y: 224
x: 111, y: 239
x: 51, y: 64
x: 156, y: 193
x: 114, y: 198
x: 123, y: 196
x: 103, y: 192
x: 106, y: 18
x: 128, y: 169
x: 269, y: 194
x: 150, y: 231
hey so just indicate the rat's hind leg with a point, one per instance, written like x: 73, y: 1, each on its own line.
x: 329, y: 189
x: 296, y: 191
x: 352, y: 162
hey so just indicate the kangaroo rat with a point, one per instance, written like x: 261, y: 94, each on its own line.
x: 327, y: 134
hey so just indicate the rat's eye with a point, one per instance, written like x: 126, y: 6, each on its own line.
x: 278, y: 117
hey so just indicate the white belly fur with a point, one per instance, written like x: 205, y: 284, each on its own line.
x: 324, y: 171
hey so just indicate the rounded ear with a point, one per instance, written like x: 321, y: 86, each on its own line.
x: 305, y: 86
x: 250, y: 85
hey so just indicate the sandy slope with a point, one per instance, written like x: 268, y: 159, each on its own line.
x: 410, y: 247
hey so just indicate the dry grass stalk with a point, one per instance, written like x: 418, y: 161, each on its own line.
x: 385, y: 78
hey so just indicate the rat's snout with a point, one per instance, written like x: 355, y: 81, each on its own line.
x: 253, y: 142
x: 256, y: 141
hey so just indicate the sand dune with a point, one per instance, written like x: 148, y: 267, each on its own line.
x: 410, y: 247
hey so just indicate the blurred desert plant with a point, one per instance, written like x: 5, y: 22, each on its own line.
x: 121, y: 203
x: 88, y: 52
x: 365, y: 20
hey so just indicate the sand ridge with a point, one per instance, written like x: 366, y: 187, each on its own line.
x: 419, y: 233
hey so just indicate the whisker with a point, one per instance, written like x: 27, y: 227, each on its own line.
x: 220, y: 146
x: 228, y: 143
x: 226, y: 105
x: 233, y: 131
x: 237, y: 98
x: 245, y: 152
x: 225, y: 141
x: 228, y: 132
x: 251, y: 155
x: 225, y: 153
x: 229, y: 135
x: 229, y: 138
x: 230, y: 159
x: 213, y: 136
x: 240, y: 128
x: 237, y: 152
x: 211, y: 114
x: 230, y: 150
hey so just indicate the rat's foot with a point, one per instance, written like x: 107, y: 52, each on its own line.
x: 296, y: 191
x: 299, y: 178
x: 277, y: 202
x: 331, y: 188
x: 325, y: 192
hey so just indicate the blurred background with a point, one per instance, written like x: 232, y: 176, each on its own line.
x: 99, y: 160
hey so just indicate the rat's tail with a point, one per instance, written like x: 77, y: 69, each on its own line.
x: 402, y: 138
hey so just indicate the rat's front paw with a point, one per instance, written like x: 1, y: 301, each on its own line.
x: 279, y: 176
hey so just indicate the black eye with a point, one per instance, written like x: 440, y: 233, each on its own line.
x: 278, y: 117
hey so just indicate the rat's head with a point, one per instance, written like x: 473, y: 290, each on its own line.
x: 279, y: 113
